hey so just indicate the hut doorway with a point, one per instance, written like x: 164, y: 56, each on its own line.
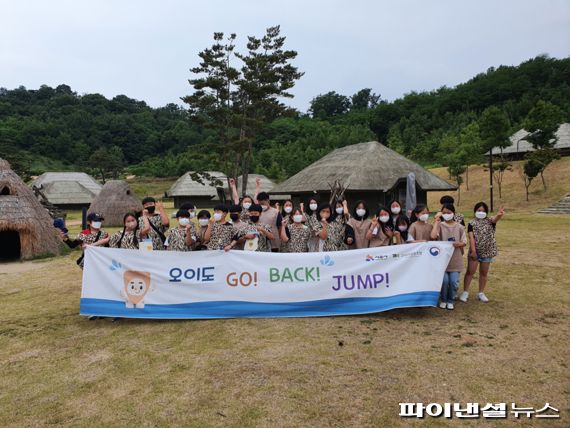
x: 9, y: 245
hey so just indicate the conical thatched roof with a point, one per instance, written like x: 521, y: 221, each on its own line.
x: 187, y: 186
x: 68, y: 188
x: 113, y: 201
x: 364, y: 166
x: 265, y: 183
x: 21, y: 212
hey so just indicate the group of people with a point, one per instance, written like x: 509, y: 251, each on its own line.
x: 255, y: 225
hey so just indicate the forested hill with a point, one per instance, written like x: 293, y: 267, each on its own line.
x: 56, y: 128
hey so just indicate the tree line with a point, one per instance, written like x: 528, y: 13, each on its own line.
x: 235, y: 120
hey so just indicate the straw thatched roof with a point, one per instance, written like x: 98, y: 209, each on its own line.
x: 113, y: 201
x: 68, y: 188
x: 187, y: 186
x: 363, y: 167
x: 518, y: 145
x: 21, y: 212
x: 265, y: 183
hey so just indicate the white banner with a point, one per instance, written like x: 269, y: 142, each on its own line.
x: 218, y: 284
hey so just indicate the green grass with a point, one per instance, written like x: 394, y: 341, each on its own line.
x: 59, y: 368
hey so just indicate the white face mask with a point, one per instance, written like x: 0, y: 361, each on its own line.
x: 447, y: 217
x: 183, y: 221
x: 424, y: 217
x: 264, y: 207
x: 313, y: 207
x: 360, y: 212
x: 403, y: 228
x: 96, y: 224
x: 339, y: 210
x: 217, y: 216
x: 298, y: 218
x: 288, y: 209
x: 481, y: 214
x: 246, y: 205
x: 192, y: 214
x: 203, y: 222
x: 384, y: 218
x: 396, y: 210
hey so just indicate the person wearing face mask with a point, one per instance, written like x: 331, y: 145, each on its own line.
x: 203, y: 221
x: 183, y: 237
x: 256, y: 236
x: 447, y: 229
x: 287, y: 215
x: 272, y: 217
x: 458, y: 217
x: 94, y: 235
x: 420, y: 229
x: 296, y: 234
x: 246, y: 201
x: 219, y: 233
x: 310, y: 213
x: 326, y: 230
x: 396, y: 212
x: 401, y: 233
x: 482, y: 248
x: 238, y: 224
x: 130, y: 237
x: 159, y: 222
x: 338, y: 235
x: 360, y: 223
x: 380, y: 232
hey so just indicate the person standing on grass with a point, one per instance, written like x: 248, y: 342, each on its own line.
x: 183, y: 237
x: 159, y: 222
x: 482, y: 248
x: 203, y: 221
x: 130, y: 237
x: 295, y: 234
x: 420, y: 229
x: 360, y: 224
x: 447, y: 229
x: 94, y: 235
x: 219, y: 232
x: 380, y: 231
x: 256, y: 236
x: 271, y: 217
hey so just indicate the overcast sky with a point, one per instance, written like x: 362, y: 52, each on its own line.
x: 144, y: 49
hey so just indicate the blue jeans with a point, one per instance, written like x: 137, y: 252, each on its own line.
x: 449, y: 287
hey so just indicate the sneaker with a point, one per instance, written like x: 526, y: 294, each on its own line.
x: 92, y: 317
x: 464, y: 297
x: 442, y: 305
x: 450, y: 306
x: 482, y: 297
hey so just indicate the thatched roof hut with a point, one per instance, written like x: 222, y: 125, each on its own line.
x: 113, y: 201
x: 372, y: 172
x: 26, y: 228
x: 68, y: 189
x: 202, y: 189
x: 519, y: 146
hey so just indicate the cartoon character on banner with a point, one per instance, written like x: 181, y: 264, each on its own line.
x: 136, y: 285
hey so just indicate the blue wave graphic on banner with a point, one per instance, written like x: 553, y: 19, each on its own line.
x: 239, y: 309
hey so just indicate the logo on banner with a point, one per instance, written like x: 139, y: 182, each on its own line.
x: 435, y: 251
x: 327, y: 261
x: 370, y: 258
x: 136, y: 285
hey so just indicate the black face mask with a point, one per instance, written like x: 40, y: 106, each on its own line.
x: 151, y: 209
x: 234, y: 216
x: 254, y: 219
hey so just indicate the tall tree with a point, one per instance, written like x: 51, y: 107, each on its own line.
x: 542, y: 123
x: 494, y: 132
x: 329, y: 105
x: 267, y: 75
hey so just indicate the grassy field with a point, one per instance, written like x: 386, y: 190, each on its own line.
x: 57, y: 368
